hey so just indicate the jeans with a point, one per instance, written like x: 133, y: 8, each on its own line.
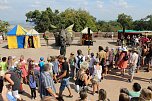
x: 72, y: 70
x: 33, y: 92
x: 64, y: 83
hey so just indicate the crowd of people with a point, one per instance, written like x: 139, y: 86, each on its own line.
x: 86, y: 71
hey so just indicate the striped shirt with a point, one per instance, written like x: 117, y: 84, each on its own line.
x: 46, y: 82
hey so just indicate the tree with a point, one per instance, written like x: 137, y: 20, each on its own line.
x: 125, y: 21
x: 143, y: 24
x: 43, y: 20
x: 111, y: 26
x: 3, y: 26
x: 80, y: 18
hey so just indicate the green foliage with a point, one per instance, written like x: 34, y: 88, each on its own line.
x: 111, y: 26
x: 125, y: 21
x: 143, y: 24
x: 44, y: 19
x: 4, y: 26
x: 47, y: 20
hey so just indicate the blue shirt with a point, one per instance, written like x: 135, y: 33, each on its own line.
x: 41, y: 64
x: 32, y: 82
x: 55, y: 67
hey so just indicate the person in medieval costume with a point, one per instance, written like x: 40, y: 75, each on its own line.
x: 63, y: 42
x: 46, y: 38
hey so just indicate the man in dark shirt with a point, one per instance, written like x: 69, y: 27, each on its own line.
x: 12, y: 78
x: 64, y: 76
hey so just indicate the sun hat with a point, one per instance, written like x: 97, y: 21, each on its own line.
x: 41, y: 58
x: 119, y: 48
x: 124, y: 49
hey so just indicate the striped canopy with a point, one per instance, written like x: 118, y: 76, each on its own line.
x: 17, y: 31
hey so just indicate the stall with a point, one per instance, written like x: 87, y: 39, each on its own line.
x: 129, y: 33
x: 32, y: 39
x: 16, y: 37
x: 85, y: 37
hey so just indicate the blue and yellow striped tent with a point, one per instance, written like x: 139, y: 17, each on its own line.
x: 16, y: 37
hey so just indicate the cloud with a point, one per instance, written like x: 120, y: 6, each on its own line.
x: 4, y: 4
x: 36, y: 4
x: 120, y: 3
x: 99, y: 4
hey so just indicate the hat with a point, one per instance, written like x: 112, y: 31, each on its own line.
x: 41, y: 58
x: 72, y: 53
x: 119, y: 48
x: 124, y: 49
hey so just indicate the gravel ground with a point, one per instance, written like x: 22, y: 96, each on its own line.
x: 112, y: 83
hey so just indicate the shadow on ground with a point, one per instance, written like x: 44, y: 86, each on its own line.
x: 113, y: 43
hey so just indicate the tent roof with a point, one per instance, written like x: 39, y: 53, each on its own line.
x: 85, y: 31
x: 17, y: 30
x: 69, y: 29
x: 127, y: 31
x: 33, y: 32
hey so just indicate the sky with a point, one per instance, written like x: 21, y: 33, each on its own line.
x: 15, y: 10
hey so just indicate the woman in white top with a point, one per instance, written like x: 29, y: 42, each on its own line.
x: 96, y: 76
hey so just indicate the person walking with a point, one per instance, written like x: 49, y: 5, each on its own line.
x: 47, y: 87
x: 133, y: 64
x: 64, y: 77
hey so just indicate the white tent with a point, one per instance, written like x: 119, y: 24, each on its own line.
x: 84, y: 36
x: 32, y: 32
x: 35, y: 37
x: 85, y: 31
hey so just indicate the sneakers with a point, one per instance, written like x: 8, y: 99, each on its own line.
x: 129, y: 80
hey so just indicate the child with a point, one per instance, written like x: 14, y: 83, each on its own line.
x: 41, y: 63
x: 136, y: 90
x: 91, y: 64
x: 96, y: 76
x: 50, y: 64
x: 72, y: 64
x: 3, y: 67
x: 55, y: 68
x: 32, y: 84
x: 83, y: 96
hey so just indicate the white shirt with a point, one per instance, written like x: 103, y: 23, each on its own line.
x: 137, y: 40
x: 97, y: 72
x: 76, y: 59
x: 134, y: 59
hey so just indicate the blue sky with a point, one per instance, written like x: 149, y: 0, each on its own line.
x: 15, y: 10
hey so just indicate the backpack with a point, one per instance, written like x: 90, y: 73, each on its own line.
x: 126, y: 57
x: 80, y: 60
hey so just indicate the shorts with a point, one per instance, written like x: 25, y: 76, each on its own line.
x: 148, y: 60
x: 16, y: 94
x: 132, y: 70
x: 64, y: 83
x: 2, y: 73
